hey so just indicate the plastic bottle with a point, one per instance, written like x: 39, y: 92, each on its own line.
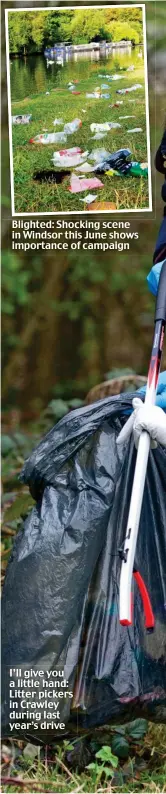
x: 72, y: 126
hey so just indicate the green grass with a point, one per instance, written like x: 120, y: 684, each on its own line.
x: 124, y: 192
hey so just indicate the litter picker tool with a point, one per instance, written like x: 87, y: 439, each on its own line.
x: 127, y: 553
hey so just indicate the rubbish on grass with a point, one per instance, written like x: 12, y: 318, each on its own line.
x: 47, y: 137
x: 77, y: 185
x: 105, y: 127
x: 85, y: 168
x: 105, y: 96
x: 57, y: 121
x: 126, y: 117
x: 76, y: 92
x: 72, y: 126
x: 104, y: 85
x: 83, y: 111
x: 139, y: 169
x: 95, y: 95
x: 117, y: 77
x: 99, y: 154
x: 89, y: 198
x: 101, y: 206
x: 98, y: 136
x: 136, y: 129
x: 135, y: 169
x: 126, y: 90
x: 47, y: 92
x: 22, y: 119
x: 51, y: 176
x: 69, y: 157
x: 130, y: 68
x: 118, y: 160
x: 116, y: 104
x: 71, y: 87
x: 112, y: 172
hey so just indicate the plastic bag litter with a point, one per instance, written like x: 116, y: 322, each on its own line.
x: 72, y: 126
x: 135, y: 129
x: 69, y: 157
x: 49, y: 137
x: 57, y: 122
x: 98, y: 136
x: 139, y: 169
x: 85, y: 168
x: 105, y: 96
x: 95, y: 95
x: 105, y: 127
x: 60, y: 604
x: 98, y: 155
x: 22, y: 119
x: 126, y: 117
x: 131, y: 88
x: 119, y: 160
x: 104, y: 85
x: 77, y: 185
x: 89, y: 198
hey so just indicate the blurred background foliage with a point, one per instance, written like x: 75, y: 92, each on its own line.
x: 69, y: 318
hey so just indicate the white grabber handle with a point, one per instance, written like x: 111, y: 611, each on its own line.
x: 127, y: 554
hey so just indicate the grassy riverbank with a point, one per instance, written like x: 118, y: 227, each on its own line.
x: 125, y: 193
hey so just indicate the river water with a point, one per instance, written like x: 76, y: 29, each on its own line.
x: 33, y: 74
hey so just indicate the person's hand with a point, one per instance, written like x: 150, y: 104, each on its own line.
x: 149, y: 418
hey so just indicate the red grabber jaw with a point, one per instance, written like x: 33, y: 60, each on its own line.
x: 127, y: 553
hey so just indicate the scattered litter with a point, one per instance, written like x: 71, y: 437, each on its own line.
x: 104, y: 85
x: 76, y: 92
x: 83, y: 111
x: 105, y: 127
x: 85, y: 168
x: 57, y: 121
x: 112, y: 172
x: 105, y: 96
x: 130, y: 69
x: 95, y: 95
x: 51, y: 176
x: 89, y: 198
x: 24, y: 119
x: 101, y: 206
x: 116, y: 104
x: 119, y: 160
x: 98, y: 136
x: 126, y: 117
x: 49, y: 137
x: 47, y: 92
x: 77, y: 185
x: 69, y: 157
x: 99, y: 154
x: 71, y: 87
x: 135, y: 169
x: 126, y: 90
x: 139, y: 169
x: 117, y: 76
x: 136, y: 129
x: 72, y: 126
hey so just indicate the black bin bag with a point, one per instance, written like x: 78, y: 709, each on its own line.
x: 61, y: 592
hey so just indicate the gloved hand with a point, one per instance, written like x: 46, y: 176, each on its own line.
x: 150, y: 418
x: 161, y: 391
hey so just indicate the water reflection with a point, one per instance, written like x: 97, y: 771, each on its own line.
x: 34, y: 74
